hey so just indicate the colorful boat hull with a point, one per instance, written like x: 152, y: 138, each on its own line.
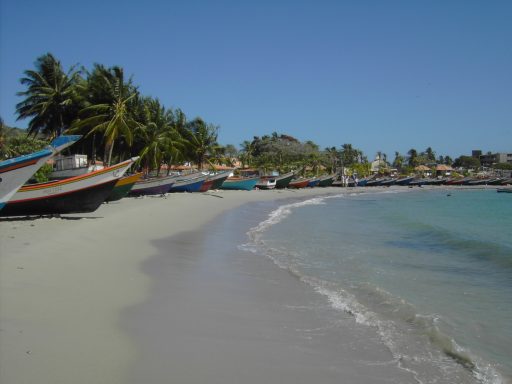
x: 214, y: 181
x: 185, y: 184
x: 15, y: 172
x: 300, y: 183
x: 153, y: 186
x: 240, y: 183
x: 123, y: 186
x: 78, y: 194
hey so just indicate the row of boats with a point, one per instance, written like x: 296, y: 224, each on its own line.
x: 413, y: 181
x: 86, y: 192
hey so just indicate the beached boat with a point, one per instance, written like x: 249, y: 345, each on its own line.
x: 313, y: 182
x: 123, y: 187
x: 404, y: 180
x: 214, y: 181
x: 388, y: 182
x: 78, y: 194
x: 298, y: 183
x: 65, y: 167
x: 282, y: 181
x: 188, y: 183
x: 266, y: 183
x: 16, y: 171
x: 152, y: 186
x: 326, y: 181
x: 240, y: 183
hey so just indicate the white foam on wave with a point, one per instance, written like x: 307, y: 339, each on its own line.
x: 344, y: 301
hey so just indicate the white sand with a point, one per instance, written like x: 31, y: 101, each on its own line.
x: 64, y: 282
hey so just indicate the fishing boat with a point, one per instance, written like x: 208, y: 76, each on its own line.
x: 266, y: 183
x: 282, y: 181
x: 77, y: 194
x: 374, y: 182
x: 152, y: 186
x: 313, y: 182
x: 504, y: 190
x: 188, y: 183
x: 404, y: 180
x: 214, y: 181
x: 388, y: 182
x: 298, y: 183
x: 240, y: 183
x: 16, y: 171
x: 326, y: 181
x: 123, y: 187
x: 65, y: 167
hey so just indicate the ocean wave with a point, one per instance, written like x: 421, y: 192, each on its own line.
x: 395, y: 320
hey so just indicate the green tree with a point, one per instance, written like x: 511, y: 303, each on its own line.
x: 202, y: 141
x: 468, y: 162
x: 113, y: 118
x: 398, y: 161
x: 412, y: 160
x: 50, y: 98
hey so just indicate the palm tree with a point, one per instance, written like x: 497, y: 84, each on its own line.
x: 162, y: 143
x: 50, y: 99
x: 202, y: 138
x: 399, y: 160
x: 413, y: 157
x: 113, y: 118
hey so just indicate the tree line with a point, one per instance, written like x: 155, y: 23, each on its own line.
x: 118, y: 122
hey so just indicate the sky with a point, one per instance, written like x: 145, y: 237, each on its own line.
x: 382, y: 75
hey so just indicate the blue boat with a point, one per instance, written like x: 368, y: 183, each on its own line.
x: 240, y: 183
x: 314, y: 182
x: 190, y: 183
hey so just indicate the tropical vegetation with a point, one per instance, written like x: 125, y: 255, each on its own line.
x: 118, y: 122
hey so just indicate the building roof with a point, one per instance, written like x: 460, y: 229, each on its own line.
x: 443, y: 167
x: 422, y: 168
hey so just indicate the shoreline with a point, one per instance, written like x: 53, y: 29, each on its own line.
x: 64, y: 282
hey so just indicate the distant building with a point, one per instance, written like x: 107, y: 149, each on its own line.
x: 495, y: 158
x: 476, y: 153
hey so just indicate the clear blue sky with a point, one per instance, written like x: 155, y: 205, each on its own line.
x: 381, y: 75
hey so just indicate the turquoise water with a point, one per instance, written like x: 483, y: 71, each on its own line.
x: 431, y: 271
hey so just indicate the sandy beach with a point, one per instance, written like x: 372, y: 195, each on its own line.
x: 64, y: 282
x: 99, y: 298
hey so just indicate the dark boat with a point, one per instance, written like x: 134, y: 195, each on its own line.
x: 374, y: 182
x: 388, y: 182
x: 404, y: 180
x: 326, y: 181
x: 504, y: 190
x: 282, y: 181
x: 79, y: 194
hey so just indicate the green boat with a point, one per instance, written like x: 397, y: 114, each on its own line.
x: 326, y: 181
x: 123, y: 187
x: 282, y: 181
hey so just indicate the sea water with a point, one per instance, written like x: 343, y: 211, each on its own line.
x: 430, y: 271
